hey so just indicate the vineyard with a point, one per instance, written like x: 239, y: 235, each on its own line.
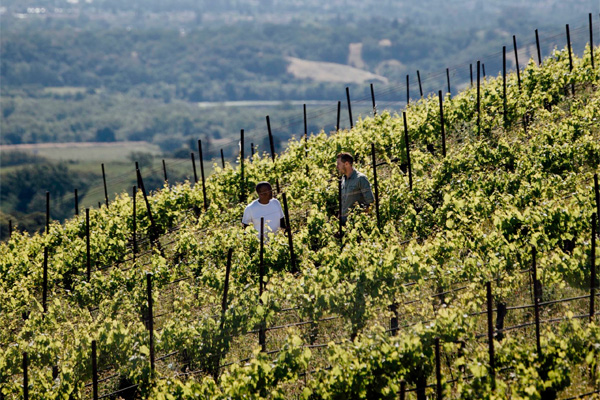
x: 473, y: 276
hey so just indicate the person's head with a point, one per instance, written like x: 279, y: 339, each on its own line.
x: 264, y: 191
x: 344, y: 163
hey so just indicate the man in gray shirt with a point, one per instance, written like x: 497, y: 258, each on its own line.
x: 355, y: 185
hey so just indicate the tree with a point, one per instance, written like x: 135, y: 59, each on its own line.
x: 24, y: 189
x: 105, y: 134
x: 144, y: 159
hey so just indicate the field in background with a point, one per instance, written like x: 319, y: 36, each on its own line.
x: 330, y: 72
x: 86, y: 159
x: 85, y: 151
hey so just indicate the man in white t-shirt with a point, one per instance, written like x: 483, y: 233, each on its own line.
x: 264, y: 207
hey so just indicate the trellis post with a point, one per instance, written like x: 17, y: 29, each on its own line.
x: 504, y: 101
x: 375, y: 184
x: 536, y: 300
x: 537, y: 45
x: 289, y: 233
x: 478, y: 98
x: 47, y: 213
x: 490, y: 316
x: 150, y: 318
x: 570, y: 57
x: 443, y: 129
x: 410, y: 183
x: 45, y: 282
x: 262, y: 334
x: 593, y: 269
x: 76, y: 202
x: 305, y: 139
x: 407, y: 90
x: 88, y: 261
x: 517, y: 61
x: 202, y: 174
x: 591, y: 40
x: 242, y: 179
x: 438, y: 370
x: 105, y: 190
x: 165, y: 171
x: 373, y: 100
x: 339, y: 111
x: 25, y: 377
x: 94, y: 371
x: 349, y: 107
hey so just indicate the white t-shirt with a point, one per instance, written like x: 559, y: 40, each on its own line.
x: 272, y: 213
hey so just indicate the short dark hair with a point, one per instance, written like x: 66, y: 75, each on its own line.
x: 346, y: 157
x: 261, y: 184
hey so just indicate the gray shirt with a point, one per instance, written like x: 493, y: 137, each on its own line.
x: 355, y: 189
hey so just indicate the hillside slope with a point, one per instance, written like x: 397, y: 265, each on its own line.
x: 359, y: 316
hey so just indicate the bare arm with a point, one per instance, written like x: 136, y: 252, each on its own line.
x: 246, y: 217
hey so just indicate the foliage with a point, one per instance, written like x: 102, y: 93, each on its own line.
x: 472, y: 217
x: 24, y: 190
